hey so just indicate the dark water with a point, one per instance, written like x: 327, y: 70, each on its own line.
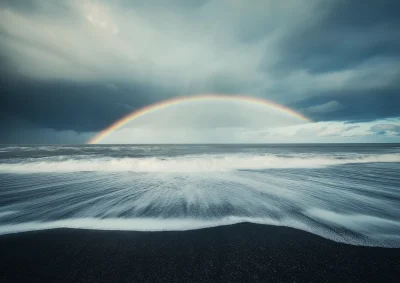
x: 347, y: 193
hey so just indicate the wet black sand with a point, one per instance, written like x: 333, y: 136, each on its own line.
x: 236, y: 253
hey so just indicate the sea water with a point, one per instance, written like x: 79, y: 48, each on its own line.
x: 344, y: 192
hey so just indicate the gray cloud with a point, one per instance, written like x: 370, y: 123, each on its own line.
x: 301, y: 133
x: 225, y: 45
x: 347, y: 34
x: 384, y: 129
x: 330, y: 106
x: 19, y: 131
x: 333, y: 60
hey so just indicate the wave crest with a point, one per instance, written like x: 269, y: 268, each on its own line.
x: 186, y: 164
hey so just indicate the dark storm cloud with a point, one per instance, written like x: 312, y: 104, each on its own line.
x: 330, y: 106
x: 80, y: 65
x: 64, y: 105
x: 17, y: 131
x: 356, y: 105
x: 347, y: 34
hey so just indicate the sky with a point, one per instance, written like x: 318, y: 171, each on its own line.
x: 70, y: 68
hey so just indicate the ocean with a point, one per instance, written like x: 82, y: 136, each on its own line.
x: 348, y: 193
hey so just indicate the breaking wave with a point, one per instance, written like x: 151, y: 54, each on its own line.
x: 347, y: 194
x: 203, y: 163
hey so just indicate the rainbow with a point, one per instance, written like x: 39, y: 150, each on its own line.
x: 163, y: 104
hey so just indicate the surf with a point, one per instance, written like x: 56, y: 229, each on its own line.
x: 345, y: 193
x: 188, y: 164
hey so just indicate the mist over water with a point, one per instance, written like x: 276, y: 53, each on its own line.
x: 347, y: 193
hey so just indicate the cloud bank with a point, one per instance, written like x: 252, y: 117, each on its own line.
x: 387, y: 130
x: 78, y: 66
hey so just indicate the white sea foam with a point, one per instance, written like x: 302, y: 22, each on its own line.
x: 120, y: 224
x: 158, y: 224
x: 184, y: 164
x: 352, y: 204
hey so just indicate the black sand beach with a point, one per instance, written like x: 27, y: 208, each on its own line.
x: 237, y: 253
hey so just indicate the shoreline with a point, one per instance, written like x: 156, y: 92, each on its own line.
x: 241, y: 252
